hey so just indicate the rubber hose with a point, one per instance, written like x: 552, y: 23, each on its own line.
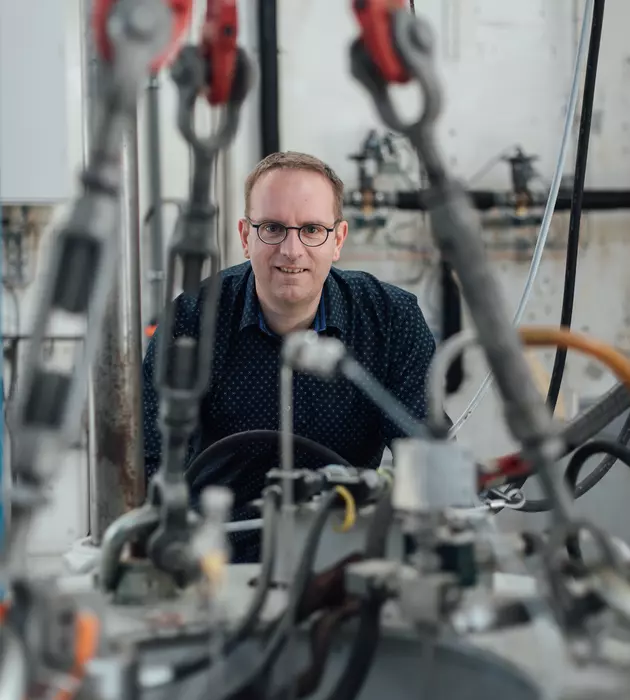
x: 247, y: 625
x: 366, y: 640
x: 231, y: 443
x: 609, y: 447
x: 542, y: 505
x: 585, y: 426
x: 298, y: 586
x: 573, y: 241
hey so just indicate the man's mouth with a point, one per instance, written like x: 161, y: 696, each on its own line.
x: 291, y: 270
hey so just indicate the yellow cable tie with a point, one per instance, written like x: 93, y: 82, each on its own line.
x: 213, y: 565
x: 350, y: 516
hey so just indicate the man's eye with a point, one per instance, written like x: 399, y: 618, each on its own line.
x: 272, y: 228
x: 312, y: 229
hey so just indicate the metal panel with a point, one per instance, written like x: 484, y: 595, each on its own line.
x: 34, y: 138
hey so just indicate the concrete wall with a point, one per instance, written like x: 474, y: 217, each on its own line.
x: 506, y: 69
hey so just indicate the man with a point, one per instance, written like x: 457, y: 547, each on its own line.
x: 292, y: 232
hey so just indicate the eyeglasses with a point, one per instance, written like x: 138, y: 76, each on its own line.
x: 311, y: 235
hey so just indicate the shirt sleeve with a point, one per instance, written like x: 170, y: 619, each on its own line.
x: 186, y: 324
x: 412, y: 349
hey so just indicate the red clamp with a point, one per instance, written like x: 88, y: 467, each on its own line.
x: 182, y: 14
x: 220, y: 49
x: 375, y: 19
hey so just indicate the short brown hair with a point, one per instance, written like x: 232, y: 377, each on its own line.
x: 292, y: 160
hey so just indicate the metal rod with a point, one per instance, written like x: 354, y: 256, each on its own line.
x: 156, y: 230
x: 118, y: 479
x: 116, y: 470
x: 284, y: 569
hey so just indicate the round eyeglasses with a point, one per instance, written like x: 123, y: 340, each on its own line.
x: 311, y: 235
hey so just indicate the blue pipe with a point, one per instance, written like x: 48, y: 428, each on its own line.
x: 2, y: 427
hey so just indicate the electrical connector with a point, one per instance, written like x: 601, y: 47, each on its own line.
x: 431, y: 475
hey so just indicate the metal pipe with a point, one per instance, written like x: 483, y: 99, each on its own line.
x: 594, y: 200
x: 269, y: 77
x: 117, y: 477
x: 285, y: 562
x: 156, y: 231
x: 116, y: 470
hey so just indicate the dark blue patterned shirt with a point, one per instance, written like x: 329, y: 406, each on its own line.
x: 381, y: 324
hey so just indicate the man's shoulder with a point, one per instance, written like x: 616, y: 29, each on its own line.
x: 232, y: 280
x: 232, y: 277
x: 364, y: 289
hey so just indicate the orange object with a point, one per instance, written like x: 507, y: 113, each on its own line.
x: 540, y: 336
x: 181, y: 15
x: 375, y: 19
x: 87, y: 633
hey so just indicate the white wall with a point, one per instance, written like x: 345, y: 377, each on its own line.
x: 506, y: 69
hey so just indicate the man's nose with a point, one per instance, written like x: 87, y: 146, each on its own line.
x: 292, y: 247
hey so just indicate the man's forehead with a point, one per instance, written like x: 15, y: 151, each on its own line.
x: 292, y: 193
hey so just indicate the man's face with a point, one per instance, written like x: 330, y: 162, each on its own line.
x: 290, y: 273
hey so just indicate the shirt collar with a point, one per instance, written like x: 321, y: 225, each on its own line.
x: 331, y: 312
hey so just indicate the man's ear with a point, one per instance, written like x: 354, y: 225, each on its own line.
x: 243, y: 232
x: 341, y: 233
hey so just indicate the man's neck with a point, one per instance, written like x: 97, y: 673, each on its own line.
x: 288, y: 320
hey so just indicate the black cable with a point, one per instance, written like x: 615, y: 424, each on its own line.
x: 573, y: 242
x: 594, y: 447
x: 614, y: 450
x: 296, y: 592
x: 367, y: 637
x: 186, y: 670
x: 247, y: 625
x: 231, y: 443
x: 269, y: 77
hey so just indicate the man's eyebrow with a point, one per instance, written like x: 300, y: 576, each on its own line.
x: 305, y: 222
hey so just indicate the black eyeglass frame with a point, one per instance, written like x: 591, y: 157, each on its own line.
x: 293, y: 228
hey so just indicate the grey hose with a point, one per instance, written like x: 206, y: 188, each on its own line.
x: 585, y: 426
x: 551, y: 201
x: 588, y: 482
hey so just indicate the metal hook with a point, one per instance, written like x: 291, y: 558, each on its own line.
x: 189, y: 74
x: 414, y: 44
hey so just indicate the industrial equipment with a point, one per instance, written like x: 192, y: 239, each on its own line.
x: 442, y: 603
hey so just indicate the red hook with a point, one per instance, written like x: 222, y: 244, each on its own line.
x: 220, y: 49
x: 182, y: 14
x: 375, y: 19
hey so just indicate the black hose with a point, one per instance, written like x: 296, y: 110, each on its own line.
x: 573, y: 242
x: 366, y: 640
x: 451, y: 324
x: 269, y: 77
x: 296, y: 592
x: 596, y: 417
x: 277, y: 640
x: 247, y: 625
x: 609, y: 447
x: 231, y: 443
x: 614, y: 451
x: 612, y: 448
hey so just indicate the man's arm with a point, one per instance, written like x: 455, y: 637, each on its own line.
x: 186, y: 323
x: 412, y: 349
